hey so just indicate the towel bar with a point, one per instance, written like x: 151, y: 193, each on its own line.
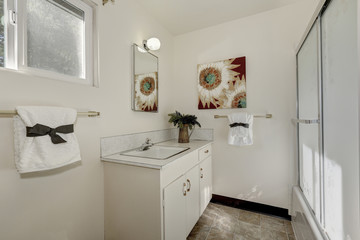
x: 9, y: 113
x: 256, y: 116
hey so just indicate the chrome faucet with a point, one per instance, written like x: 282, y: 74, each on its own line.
x: 145, y: 146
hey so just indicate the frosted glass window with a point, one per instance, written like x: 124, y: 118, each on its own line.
x: 55, y: 37
x: 2, y: 34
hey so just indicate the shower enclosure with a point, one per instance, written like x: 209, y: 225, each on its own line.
x: 327, y: 126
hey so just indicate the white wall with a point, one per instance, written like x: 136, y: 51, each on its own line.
x: 262, y: 172
x: 68, y: 203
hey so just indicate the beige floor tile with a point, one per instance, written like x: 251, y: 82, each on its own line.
x: 228, y: 211
x: 241, y: 237
x: 199, y: 232
x: 248, y: 230
x: 267, y: 234
x: 249, y: 217
x: 217, y: 234
x: 291, y: 237
x: 272, y: 223
x: 271, y: 219
x: 213, y: 207
x: 220, y: 222
x: 288, y: 227
x: 225, y: 223
x: 208, y: 217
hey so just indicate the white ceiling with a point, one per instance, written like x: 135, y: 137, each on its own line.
x: 181, y: 16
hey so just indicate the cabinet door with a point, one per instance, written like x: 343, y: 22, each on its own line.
x: 192, y: 198
x: 205, y: 183
x: 175, y: 210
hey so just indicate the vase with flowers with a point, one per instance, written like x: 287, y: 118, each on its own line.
x: 184, y: 122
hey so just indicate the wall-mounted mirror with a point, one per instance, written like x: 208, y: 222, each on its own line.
x: 145, y: 80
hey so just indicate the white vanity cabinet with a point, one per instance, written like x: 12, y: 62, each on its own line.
x: 161, y: 203
x: 192, y: 198
x: 205, y: 167
x: 175, y: 209
x: 205, y: 183
x: 181, y: 205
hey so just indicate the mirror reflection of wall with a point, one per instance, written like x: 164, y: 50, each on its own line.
x: 145, y: 80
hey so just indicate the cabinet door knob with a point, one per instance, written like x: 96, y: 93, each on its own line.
x: 184, y: 189
x: 189, y: 185
x: 206, y: 151
x: 202, y: 176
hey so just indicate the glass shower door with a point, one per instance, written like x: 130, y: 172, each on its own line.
x: 340, y: 67
x: 309, y: 109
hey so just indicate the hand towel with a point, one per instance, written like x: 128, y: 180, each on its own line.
x: 241, y: 134
x: 39, y: 153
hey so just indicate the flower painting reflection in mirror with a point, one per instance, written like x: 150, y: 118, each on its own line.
x: 222, y: 84
x: 146, y: 92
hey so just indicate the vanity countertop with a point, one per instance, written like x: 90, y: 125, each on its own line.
x: 194, y: 145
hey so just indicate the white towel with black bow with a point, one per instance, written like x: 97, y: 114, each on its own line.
x: 240, y: 132
x: 40, y: 140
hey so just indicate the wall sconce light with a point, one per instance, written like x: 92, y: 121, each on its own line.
x: 152, y: 44
x: 140, y: 49
x: 106, y: 1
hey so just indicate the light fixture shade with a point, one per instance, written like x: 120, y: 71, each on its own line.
x: 152, y: 44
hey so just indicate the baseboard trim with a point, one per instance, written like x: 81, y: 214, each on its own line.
x: 251, y: 206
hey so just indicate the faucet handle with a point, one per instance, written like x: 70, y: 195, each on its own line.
x: 148, y: 141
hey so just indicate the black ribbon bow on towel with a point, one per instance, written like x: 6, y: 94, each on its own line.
x: 245, y: 125
x: 42, y: 130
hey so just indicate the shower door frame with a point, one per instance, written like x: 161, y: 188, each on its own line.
x: 321, y: 221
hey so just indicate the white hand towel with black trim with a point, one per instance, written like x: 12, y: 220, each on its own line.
x: 240, y: 132
x: 44, y: 138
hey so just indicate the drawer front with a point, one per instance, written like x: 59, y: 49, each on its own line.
x: 205, y: 152
x: 178, y: 168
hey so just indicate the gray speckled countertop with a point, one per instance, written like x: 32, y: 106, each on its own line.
x: 194, y: 145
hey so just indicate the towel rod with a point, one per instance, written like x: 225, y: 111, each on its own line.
x: 9, y: 113
x: 256, y: 116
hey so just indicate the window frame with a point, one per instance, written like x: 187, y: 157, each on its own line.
x: 16, y: 41
x: 10, y: 47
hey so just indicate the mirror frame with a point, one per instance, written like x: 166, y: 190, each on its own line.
x: 134, y: 49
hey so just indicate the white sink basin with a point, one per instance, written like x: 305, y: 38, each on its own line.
x: 156, y: 152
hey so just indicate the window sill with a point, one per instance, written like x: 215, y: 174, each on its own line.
x: 32, y: 72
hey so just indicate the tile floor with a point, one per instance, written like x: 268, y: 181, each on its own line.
x: 219, y: 222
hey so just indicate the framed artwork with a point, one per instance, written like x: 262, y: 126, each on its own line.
x: 146, y: 92
x: 222, y: 84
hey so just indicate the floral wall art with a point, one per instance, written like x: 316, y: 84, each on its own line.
x: 222, y: 84
x: 146, y: 92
